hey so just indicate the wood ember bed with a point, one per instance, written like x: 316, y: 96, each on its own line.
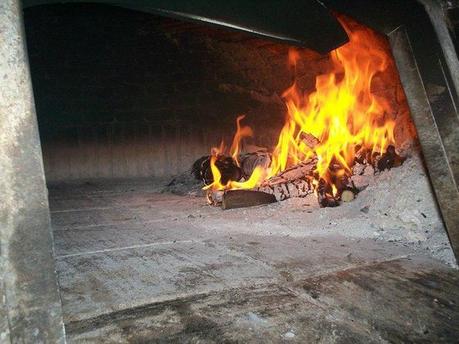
x: 299, y: 180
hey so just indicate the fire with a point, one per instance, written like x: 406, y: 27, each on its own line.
x: 258, y: 175
x: 241, y: 132
x: 342, y: 113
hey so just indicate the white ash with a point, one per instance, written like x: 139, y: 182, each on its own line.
x: 397, y: 206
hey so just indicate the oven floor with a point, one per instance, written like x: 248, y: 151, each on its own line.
x: 136, y: 265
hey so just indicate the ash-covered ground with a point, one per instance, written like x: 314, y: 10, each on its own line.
x: 136, y: 264
x: 398, y: 206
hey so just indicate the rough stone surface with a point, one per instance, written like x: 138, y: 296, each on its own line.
x: 30, y: 307
x: 137, y: 265
x: 403, y: 300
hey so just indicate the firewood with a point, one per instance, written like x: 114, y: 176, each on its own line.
x: 245, y: 198
x: 347, y: 196
x: 214, y: 197
x: 249, y: 149
x: 298, y: 188
x: 197, y: 167
x: 226, y: 165
x: 362, y: 155
x: 309, y: 140
x: 326, y: 200
x: 325, y: 195
x: 248, y: 162
x: 297, y: 180
x: 389, y: 159
x: 295, y: 172
x: 292, y: 182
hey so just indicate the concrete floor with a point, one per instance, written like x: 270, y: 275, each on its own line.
x: 139, y: 266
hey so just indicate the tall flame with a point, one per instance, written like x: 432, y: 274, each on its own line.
x: 342, y: 113
x: 241, y: 132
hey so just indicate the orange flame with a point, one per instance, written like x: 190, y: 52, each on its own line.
x: 342, y: 113
x: 258, y: 174
x: 241, y: 132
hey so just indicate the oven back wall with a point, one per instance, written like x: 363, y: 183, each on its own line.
x: 123, y: 94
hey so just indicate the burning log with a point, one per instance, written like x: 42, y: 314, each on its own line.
x: 298, y: 171
x: 250, y: 161
x: 362, y: 155
x: 379, y: 162
x: 309, y: 140
x: 197, y: 169
x: 325, y: 195
x: 226, y: 165
x: 245, y: 198
x: 296, y: 181
x: 340, y: 188
x: 292, y: 182
x: 389, y: 159
x: 370, y: 126
x: 298, y: 188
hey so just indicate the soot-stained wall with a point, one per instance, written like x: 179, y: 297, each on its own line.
x: 121, y: 93
x: 125, y: 94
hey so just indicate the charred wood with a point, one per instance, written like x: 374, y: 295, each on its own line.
x: 362, y: 155
x: 325, y: 195
x: 197, y: 168
x: 380, y: 162
x: 299, y: 180
x: 389, y: 159
x: 249, y: 162
x: 245, y: 198
x: 228, y: 168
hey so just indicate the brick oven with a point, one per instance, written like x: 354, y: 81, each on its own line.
x: 232, y: 172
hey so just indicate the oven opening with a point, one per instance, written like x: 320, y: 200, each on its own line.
x: 208, y: 183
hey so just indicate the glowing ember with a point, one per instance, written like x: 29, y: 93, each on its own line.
x: 342, y: 114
